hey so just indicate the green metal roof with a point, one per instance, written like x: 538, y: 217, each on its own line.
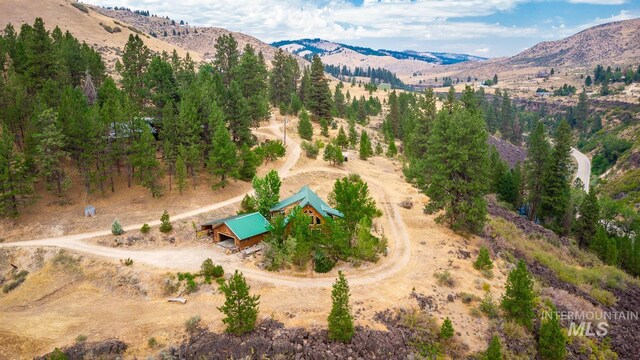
x: 304, y: 197
x: 244, y: 226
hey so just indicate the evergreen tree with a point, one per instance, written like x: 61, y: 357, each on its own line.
x: 587, y: 223
x: 135, y: 60
x: 340, y: 319
x: 283, y: 78
x: 483, y: 262
x: 319, y: 101
x: 393, y: 117
x: 535, y: 168
x: 446, y: 330
x: 324, y: 127
x: 588, y: 81
x: 240, y: 308
x: 353, y: 134
x: 116, y: 228
x: 379, y: 149
x: 305, y: 129
x: 223, y: 159
x: 238, y: 115
x: 611, y: 256
x: 227, y: 57
x: 391, y: 149
x: 51, y: 153
x: 457, y: 159
x: 15, y: 176
x: 181, y: 174
x: 495, y: 79
x: 599, y: 243
x: 251, y: 75
x: 338, y: 101
x: 365, y: 146
x: 333, y: 154
x: 267, y: 191
x: 342, y: 140
x: 519, y: 297
x: 143, y: 159
x: 556, y: 181
x: 582, y: 111
x: 494, y: 351
x: 165, y: 223
x: 552, y: 340
x: 250, y: 161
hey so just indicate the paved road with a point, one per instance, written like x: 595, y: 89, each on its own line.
x: 190, y: 258
x: 584, y: 167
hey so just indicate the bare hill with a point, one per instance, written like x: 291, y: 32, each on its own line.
x: 612, y: 43
x: 84, y: 23
x: 195, y: 39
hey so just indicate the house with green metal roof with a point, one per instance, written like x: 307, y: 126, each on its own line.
x: 238, y: 231
x: 310, y: 203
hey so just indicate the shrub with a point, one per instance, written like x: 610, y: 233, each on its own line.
x: 81, y: 338
x: 310, y: 149
x: 444, y: 278
x: 152, y: 342
x: 209, y: 269
x: 165, y: 223
x: 145, y: 229
x: 193, y: 324
x: 483, y: 262
x: 58, y: 354
x: 467, y: 298
x: 116, y: 228
x: 322, y: 263
x: 18, y: 279
x: 80, y: 7
x: 488, y: 306
x: 127, y: 261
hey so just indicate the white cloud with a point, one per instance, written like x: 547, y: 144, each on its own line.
x: 599, y: 2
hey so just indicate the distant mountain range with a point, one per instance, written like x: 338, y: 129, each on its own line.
x: 406, y: 61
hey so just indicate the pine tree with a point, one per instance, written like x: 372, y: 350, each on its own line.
x: 457, y: 159
x: 611, y: 256
x: 165, y: 223
x: 552, y: 340
x: 483, y: 262
x: 237, y: 115
x: 240, y: 308
x: 379, y: 149
x: 283, y: 78
x: 143, y: 159
x: 392, y: 151
x: 588, y: 82
x: 365, y: 146
x: 340, y: 319
x: 251, y: 75
x: 353, y: 134
x: 181, y: 174
x: 393, y: 117
x: 518, y: 298
x: 599, y: 243
x: 582, y: 111
x: 495, y: 79
x: 250, y: 161
x: 305, y: 129
x: 223, y: 159
x: 319, y: 101
x: 135, y: 60
x: 587, y: 223
x: 446, y: 330
x: 116, y: 228
x: 556, y: 182
x: 342, y: 140
x: 494, y: 351
x: 535, y: 167
x: 15, y: 176
x: 227, y: 57
x: 333, y: 154
x: 51, y: 153
x: 324, y: 127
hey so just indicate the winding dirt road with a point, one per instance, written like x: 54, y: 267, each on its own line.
x: 189, y: 259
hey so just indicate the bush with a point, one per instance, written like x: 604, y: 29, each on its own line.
x: 323, y: 264
x: 165, y: 223
x: 193, y: 324
x: 127, y: 262
x: 210, y: 270
x: 190, y: 284
x: 483, y: 262
x: 152, y: 342
x: 18, y: 279
x: 310, y: 149
x: 444, y: 278
x: 80, y: 7
x: 446, y: 331
x: 145, y: 229
x: 488, y: 306
x: 81, y: 338
x: 116, y: 228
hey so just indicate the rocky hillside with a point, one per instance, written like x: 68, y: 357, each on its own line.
x: 401, y: 62
x: 97, y: 30
x: 195, y: 39
x: 611, y: 43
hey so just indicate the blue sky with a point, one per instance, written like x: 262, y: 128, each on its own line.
x: 487, y: 28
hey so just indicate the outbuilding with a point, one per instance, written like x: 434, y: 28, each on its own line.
x: 238, y: 231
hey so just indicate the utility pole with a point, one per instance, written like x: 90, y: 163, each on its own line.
x: 285, y: 131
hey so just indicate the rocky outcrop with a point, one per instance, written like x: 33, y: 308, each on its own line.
x: 110, y: 349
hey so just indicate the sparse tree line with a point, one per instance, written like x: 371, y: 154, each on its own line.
x: 376, y: 75
x: 163, y: 121
x: 605, y: 77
